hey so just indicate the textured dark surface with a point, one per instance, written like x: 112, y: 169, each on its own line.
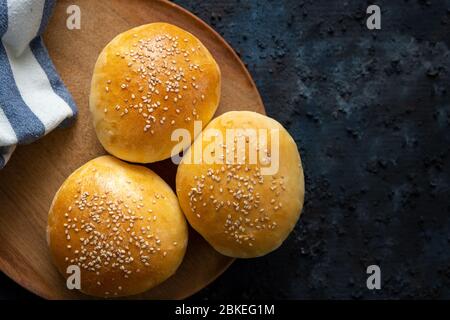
x: 370, y: 111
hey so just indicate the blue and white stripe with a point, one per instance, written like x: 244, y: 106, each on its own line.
x: 33, y: 99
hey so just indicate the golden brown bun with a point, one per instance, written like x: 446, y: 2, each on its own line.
x: 147, y: 82
x: 239, y: 211
x: 125, y: 216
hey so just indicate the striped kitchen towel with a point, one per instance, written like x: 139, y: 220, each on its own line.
x: 33, y: 99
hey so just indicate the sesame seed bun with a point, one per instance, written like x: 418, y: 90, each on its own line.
x: 147, y: 82
x: 121, y: 224
x: 237, y: 209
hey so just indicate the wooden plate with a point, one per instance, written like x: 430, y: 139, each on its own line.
x: 35, y: 172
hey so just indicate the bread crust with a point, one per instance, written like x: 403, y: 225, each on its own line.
x: 121, y: 224
x: 240, y: 212
x: 147, y: 82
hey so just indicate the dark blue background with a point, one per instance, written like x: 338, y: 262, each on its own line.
x: 370, y: 111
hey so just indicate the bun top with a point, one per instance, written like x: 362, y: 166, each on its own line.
x: 147, y: 82
x: 243, y: 208
x: 121, y: 224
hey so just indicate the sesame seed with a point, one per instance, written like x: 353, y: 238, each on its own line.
x: 110, y: 247
x: 241, y: 181
x: 155, y: 61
